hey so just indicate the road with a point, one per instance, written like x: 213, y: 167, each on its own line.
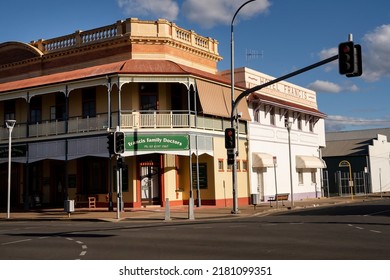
x: 350, y: 231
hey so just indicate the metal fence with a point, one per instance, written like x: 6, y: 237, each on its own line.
x: 360, y: 183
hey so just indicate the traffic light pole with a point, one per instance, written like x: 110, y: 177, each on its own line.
x: 285, y: 77
x: 119, y: 201
x: 234, y: 117
x: 233, y: 112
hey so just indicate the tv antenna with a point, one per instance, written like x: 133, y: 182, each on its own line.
x: 253, y: 54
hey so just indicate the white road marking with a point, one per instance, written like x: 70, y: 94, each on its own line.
x: 376, y: 213
x: 17, y: 241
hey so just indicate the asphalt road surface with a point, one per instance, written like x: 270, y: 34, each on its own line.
x: 356, y: 231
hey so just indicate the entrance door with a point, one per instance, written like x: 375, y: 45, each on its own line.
x: 150, y: 187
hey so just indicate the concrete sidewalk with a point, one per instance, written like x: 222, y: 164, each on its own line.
x: 181, y: 213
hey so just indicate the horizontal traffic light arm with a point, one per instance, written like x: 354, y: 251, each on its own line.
x: 256, y: 88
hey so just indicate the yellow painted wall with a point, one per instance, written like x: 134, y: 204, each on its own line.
x: 223, y: 179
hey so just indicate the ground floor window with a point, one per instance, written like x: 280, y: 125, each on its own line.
x: 202, y: 176
x: 220, y: 165
x: 300, y: 177
x: 94, y: 175
x: 314, y: 177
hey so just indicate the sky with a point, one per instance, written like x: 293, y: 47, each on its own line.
x: 275, y: 37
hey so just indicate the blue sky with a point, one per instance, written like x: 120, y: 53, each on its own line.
x: 289, y: 35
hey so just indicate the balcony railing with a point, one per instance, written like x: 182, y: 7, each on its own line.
x: 129, y: 120
x: 173, y: 119
x: 157, y: 119
x: 88, y: 124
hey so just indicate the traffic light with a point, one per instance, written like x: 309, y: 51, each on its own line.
x: 230, y: 138
x: 230, y: 158
x: 350, y: 59
x: 358, y: 70
x: 119, y: 140
x: 110, y: 143
x: 346, y: 58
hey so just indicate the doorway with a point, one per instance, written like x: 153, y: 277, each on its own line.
x: 150, y: 187
x: 149, y: 170
x: 58, y: 189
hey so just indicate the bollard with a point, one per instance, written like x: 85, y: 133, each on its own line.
x: 191, y: 209
x: 167, y: 210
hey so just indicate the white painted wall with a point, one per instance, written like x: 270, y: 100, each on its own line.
x: 379, y: 156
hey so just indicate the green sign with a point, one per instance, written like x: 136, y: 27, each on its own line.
x: 134, y: 142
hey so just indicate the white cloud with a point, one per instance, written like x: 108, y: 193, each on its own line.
x: 376, y: 53
x: 324, y: 86
x: 352, y: 88
x: 337, y: 123
x: 209, y: 13
x: 167, y: 9
x: 326, y: 53
x: 329, y: 87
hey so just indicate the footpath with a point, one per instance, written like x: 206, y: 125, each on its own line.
x: 181, y: 213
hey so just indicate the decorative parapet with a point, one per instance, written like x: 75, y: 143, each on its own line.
x: 77, y: 39
x: 135, y: 29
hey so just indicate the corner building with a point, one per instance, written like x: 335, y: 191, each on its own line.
x: 153, y: 80
x: 270, y: 143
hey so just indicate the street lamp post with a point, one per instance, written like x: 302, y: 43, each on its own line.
x: 288, y: 126
x: 10, y: 126
x: 234, y: 116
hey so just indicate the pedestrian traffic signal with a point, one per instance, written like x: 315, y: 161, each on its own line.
x: 119, y: 140
x: 230, y: 138
x: 346, y: 58
x: 110, y: 143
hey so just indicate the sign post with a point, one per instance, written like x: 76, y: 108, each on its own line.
x: 275, y: 162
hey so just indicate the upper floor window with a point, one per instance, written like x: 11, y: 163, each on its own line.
x: 299, y: 121
x: 272, y: 116
x: 149, y: 96
x: 58, y: 112
x: 9, y: 110
x: 36, y: 109
x: 311, y: 125
x: 256, y: 115
x: 89, y: 102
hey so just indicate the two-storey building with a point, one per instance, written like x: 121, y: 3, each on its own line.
x: 153, y: 80
x: 285, y: 137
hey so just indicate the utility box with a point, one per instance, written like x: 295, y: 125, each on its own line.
x: 69, y: 206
